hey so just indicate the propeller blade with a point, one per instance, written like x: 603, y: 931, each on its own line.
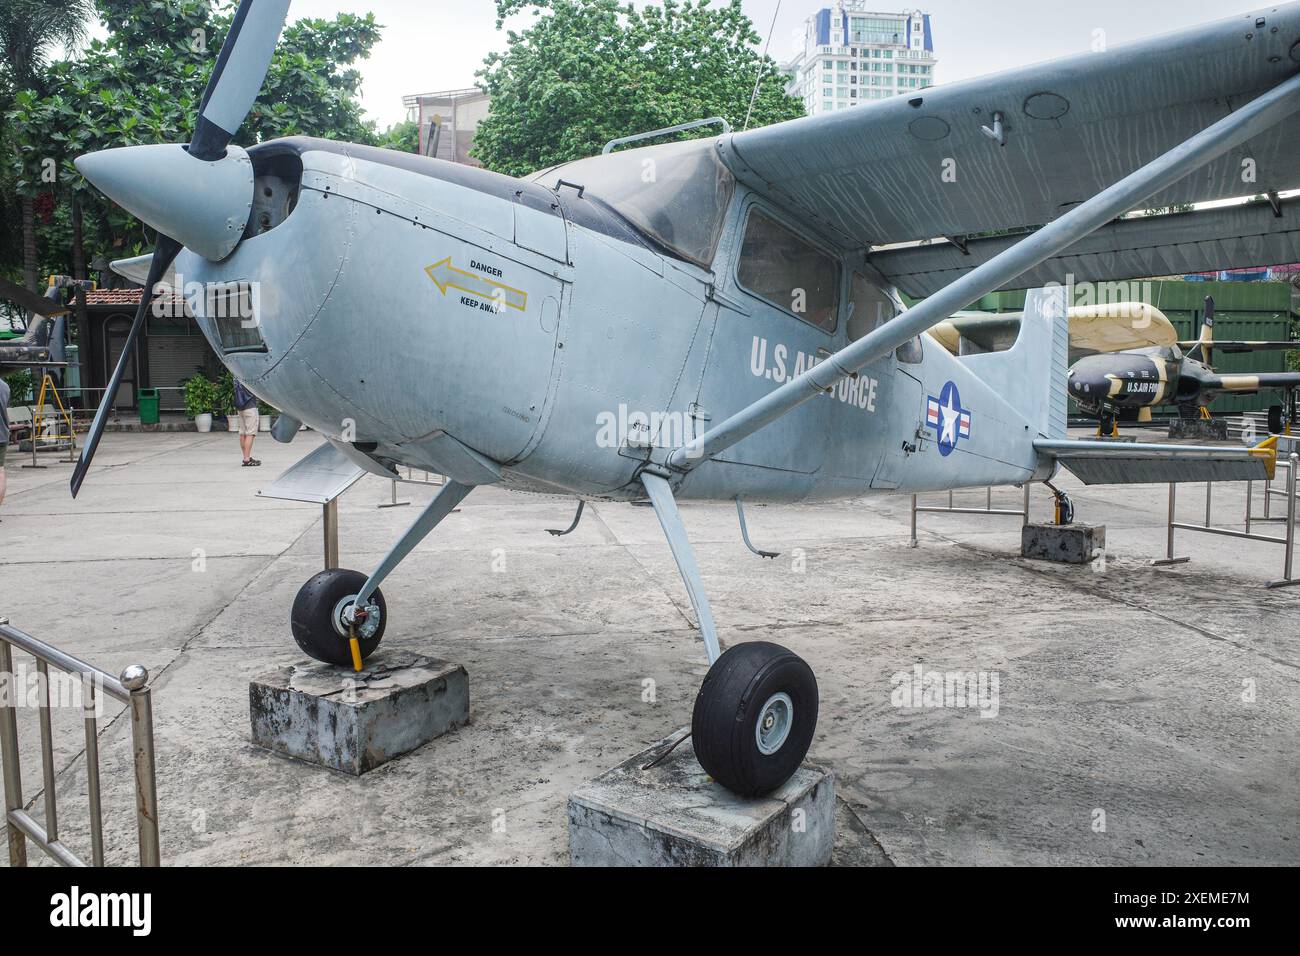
x: 163, y: 254
x: 238, y: 75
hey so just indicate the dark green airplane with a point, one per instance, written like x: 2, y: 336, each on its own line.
x: 1106, y: 384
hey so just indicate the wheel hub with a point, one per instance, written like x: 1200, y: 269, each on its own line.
x: 774, y: 722
x: 344, y: 616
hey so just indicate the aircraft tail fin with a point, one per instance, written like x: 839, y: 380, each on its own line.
x: 1205, y: 342
x: 1031, y: 375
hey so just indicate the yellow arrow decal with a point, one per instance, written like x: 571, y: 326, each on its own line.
x: 446, y: 276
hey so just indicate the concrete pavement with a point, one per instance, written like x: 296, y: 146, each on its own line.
x: 1142, y: 715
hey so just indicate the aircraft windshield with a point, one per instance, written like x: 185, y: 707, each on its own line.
x: 676, y: 194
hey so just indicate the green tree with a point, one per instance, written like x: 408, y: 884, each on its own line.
x: 29, y: 31
x: 404, y: 137
x: 143, y: 85
x: 588, y: 71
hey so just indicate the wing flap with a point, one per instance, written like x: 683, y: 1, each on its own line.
x: 1204, y: 240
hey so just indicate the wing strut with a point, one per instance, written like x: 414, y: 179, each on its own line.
x: 1234, y: 129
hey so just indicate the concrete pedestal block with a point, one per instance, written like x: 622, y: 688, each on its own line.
x: 355, y: 721
x: 674, y: 815
x: 1071, y: 543
x: 1202, y: 429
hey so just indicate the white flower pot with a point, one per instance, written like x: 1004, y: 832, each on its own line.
x: 203, y: 422
x: 264, y: 423
x: 232, y: 423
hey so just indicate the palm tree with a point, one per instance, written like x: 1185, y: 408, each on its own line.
x: 29, y: 31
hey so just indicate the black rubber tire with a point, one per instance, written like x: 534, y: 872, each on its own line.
x: 727, y: 710
x: 1275, y: 423
x: 313, y: 630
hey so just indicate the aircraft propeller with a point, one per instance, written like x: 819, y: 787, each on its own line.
x: 196, y: 196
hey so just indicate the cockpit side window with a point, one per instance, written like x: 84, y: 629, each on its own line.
x: 791, y: 273
x: 677, y: 194
x: 870, y: 308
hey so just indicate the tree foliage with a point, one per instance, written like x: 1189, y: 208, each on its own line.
x: 403, y: 137
x: 30, y: 29
x: 588, y: 71
x: 143, y: 85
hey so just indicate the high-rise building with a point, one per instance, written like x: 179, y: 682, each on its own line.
x: 852, y: 55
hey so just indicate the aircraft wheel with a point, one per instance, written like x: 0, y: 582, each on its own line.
x: 317, y: 617
x: 754, y: 717
x: 1275, y: 423
x: 1106, y: 425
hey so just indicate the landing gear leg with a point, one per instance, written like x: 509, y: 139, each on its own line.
x: 756, y: 711
x: 339, y: 615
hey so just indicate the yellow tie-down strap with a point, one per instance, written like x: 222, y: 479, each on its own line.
x: 1267, y: 450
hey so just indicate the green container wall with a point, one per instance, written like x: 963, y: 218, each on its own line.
x: 1242, y: 310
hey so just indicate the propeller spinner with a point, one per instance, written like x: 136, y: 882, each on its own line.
x: 196, y: 197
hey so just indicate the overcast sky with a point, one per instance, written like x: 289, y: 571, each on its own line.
x: 431, y: 45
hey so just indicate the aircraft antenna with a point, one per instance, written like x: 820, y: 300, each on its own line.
x: 762, y: 63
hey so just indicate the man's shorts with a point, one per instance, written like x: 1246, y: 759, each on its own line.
x: 248, y: 420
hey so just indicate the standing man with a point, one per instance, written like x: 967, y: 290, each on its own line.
x: 246, y: 409
x: 4, y: 433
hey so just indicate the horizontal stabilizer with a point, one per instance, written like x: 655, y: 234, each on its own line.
x: 320, y: 477
x: 1120, y: 463
x: 137, y: 270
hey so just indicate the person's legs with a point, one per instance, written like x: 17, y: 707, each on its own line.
x: 247, y: 432
x: 254, y: 420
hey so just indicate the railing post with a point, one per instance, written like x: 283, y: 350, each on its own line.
x: 1025, y: 522
x: 1250, y: 491
x: 331, y: 530
x: 136, y: 679
x: 1173, y: 497
x: 89, y: 703
x: 1294, y: 460
x: 13, y: 784
x: 914, y: 542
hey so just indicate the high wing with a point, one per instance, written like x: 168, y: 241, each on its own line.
x: 1113, y: 327
x: 922, y: 167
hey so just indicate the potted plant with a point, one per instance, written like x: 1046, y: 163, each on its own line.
x: 226, y: 400
x: 200, y: 400
x: 264, y: 412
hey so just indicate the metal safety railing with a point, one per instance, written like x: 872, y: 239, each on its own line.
x: 131, y: 689
x: 1291, y: 466
x: 429, y: 479
x: 952, y: 509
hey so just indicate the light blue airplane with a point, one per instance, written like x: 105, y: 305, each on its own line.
x: 716, y: 318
